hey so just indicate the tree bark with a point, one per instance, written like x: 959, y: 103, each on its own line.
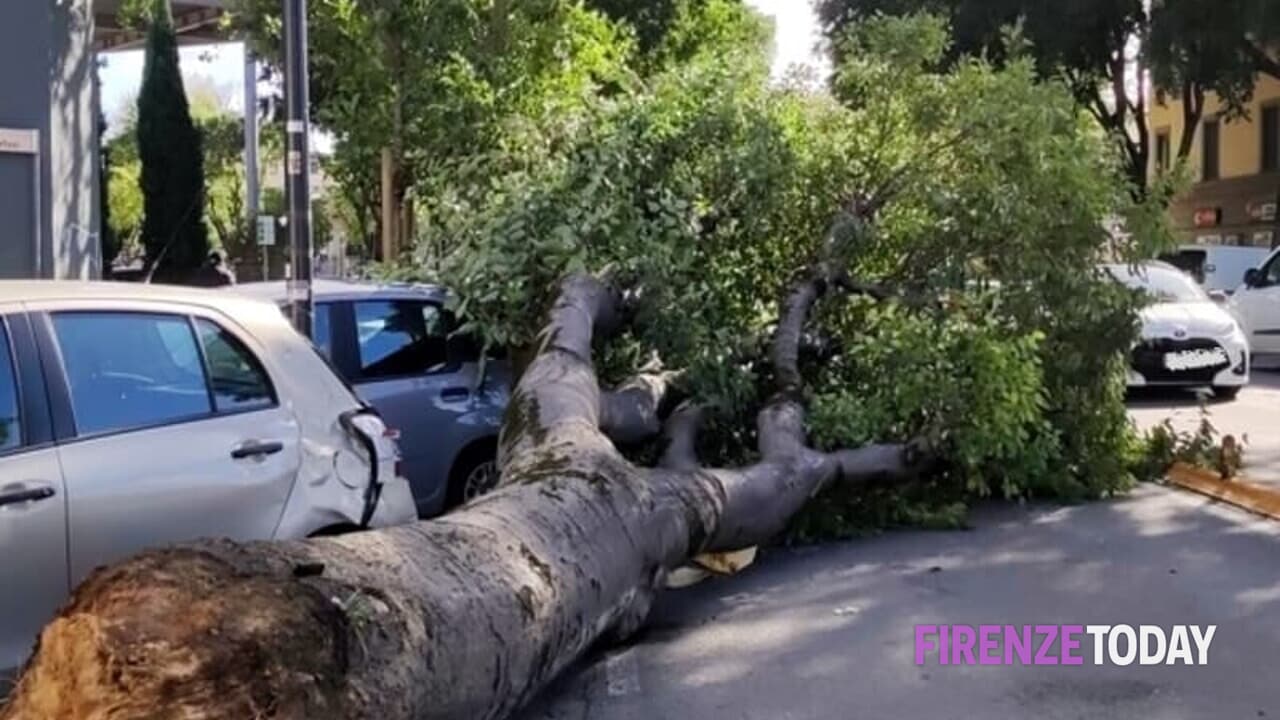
x: 465, y: 616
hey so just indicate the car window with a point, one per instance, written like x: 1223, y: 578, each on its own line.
x: 1271, y: 273
x: 10, y: 423
x: 130, y: 370
x: 321, y: 335
x: 1191, y: 262
x: 400, y: 337
x: 236, y: 378
x: 1160, y: 284
x: 320, y: 329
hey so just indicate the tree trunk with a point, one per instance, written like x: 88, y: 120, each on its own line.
x: 465, y: 616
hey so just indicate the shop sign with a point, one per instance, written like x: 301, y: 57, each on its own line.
x: 1262, y: 211
x: 1207, y: 217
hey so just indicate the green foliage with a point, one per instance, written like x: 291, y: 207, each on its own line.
x: 702, y: 27
x: 110, y: 243
x: 710, y: 190
x: 1203, y: 45
x: 1189, y: 46
x: 1081, y: 35
x: 222, y: 144
x: 1164, y: 445
x: 650, y: 20
x: 963, y: 378
x: 438, y: 81
x: 169, y: 149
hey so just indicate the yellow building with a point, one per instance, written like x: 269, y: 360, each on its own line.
x: 1235, y: 165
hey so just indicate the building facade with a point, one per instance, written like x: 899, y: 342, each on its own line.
x: 1235, y: 166
x: 49, y: 127
x: 48, y: 141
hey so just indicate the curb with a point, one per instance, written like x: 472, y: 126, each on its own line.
x: 1256, y: 498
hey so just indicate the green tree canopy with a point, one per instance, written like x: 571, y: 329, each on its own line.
x: 440, y: 83
x: 436, y: 81
x: 1102, y: 48
x: 708, y: 189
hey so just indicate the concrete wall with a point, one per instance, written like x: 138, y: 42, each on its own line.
x: 46, y: 84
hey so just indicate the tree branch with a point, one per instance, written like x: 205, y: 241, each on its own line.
x: 1263, y: 60
x: 1192, y: 112
x: 559, y: 392
x: 755, y: 503
x: 681, y: 434
x: 630, y: 414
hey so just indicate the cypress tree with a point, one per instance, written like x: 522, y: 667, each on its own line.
x: 109, y: 246
x: 170, y: 148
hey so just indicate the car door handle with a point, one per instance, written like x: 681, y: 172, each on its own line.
x: 253, y: 448
x: 455, y: 393
x: 26, y: 495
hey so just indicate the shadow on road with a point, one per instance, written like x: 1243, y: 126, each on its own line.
x: 1156, y: 398
x: 825, y: 633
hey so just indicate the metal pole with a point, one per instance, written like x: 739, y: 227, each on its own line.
x: 297, y: 162
x: 251, y: 151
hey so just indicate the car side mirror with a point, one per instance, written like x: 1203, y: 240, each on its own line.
x: 1252, y: 277
x: 1218, y: 296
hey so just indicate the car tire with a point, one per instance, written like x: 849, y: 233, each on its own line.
x: 474, y: 473
x: 1227, y: 392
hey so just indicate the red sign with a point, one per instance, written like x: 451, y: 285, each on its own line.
x: 1207, y: 217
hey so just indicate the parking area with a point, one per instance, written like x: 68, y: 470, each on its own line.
x: 1254, y: 416
x: 826, y: 632
x: 822, y: 633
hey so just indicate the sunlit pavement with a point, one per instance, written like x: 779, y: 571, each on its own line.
x: 827, y: 633
x: 1255, y: 414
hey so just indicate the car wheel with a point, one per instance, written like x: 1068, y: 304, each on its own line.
x: 473, y: 475
x: 1228, y: 392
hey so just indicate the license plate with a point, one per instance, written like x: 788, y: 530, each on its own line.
x: 1194, y: 359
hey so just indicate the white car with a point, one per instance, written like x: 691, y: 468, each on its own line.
x: 133, y: 416
x: 1257, y: 305
x: 1188, y: 338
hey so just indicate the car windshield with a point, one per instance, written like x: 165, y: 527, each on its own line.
x: 1161, y: 284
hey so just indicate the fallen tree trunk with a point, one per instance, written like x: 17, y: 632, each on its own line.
x: 466, y: 616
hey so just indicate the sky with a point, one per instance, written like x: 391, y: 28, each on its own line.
x: 796, y: 34
x: 219, y: 68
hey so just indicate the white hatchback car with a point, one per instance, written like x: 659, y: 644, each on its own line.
x: 133, y: 416
x: 1188, y: 338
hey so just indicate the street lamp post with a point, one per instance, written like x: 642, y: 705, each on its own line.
x: 297, y: 162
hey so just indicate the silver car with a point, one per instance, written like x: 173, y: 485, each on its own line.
x: 134, y: 416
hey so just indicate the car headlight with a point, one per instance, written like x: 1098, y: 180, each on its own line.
x: 1228, y: 328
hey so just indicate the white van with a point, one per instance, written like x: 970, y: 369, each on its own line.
x: 1217, y: 267
x: 1257, y: 305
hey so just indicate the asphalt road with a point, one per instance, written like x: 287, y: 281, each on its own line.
x: 827, y: 633
x: 1254, y: 415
